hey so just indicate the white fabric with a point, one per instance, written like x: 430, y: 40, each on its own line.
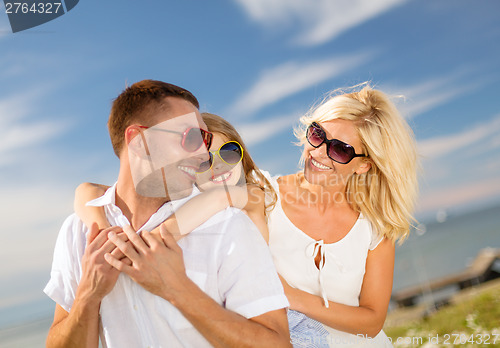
x: 226, y: 257
x: 339, y: 277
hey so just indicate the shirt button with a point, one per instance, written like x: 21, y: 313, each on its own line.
x: 135, y: 307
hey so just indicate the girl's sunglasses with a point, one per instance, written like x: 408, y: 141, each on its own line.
x: 192, y: 138
x: 337, y: 150
x: 230, y: 153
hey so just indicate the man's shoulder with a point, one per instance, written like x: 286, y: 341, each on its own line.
x: 73, y: 222
x: 241, y: 229
x: 229, y: 224
x: 228, y: 219
x: 73, y: 230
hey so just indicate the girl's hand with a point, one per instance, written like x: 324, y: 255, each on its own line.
x: 172, y: 226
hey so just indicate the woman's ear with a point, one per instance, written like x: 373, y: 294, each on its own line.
x: 364, y: 167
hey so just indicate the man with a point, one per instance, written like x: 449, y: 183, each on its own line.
x: 217, y: 287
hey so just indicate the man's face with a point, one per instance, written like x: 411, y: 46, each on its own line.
x: 165, y: 157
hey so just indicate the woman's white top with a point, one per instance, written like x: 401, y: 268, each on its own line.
x: 338, y: 278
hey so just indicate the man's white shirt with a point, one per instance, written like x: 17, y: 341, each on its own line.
x: 226, y: 257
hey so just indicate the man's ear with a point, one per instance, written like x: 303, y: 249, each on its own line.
x: 364, y: 167
x: 134, y: 140
x: 130, y: 133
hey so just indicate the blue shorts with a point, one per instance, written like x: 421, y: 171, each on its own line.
x: 306, y: 332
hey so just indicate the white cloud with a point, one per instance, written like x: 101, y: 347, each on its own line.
x: 493, y: 164
x: 257, y: 132
x: 460, y: 194
x: 15, y: 107
x: 319, y: 22
x: 18, y: 129
x: 429, y: 94
x: 443, y: 145
x: 447, y: 183
x: 32, y: 214
x: 290, y: 78
x: 29, y: 134
x: 495, y: 142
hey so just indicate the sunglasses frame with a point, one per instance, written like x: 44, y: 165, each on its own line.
x: 330, y: 142
x: 213, y: 153
x: 207, y: 136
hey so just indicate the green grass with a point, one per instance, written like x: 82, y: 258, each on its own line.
x: 465, y: 324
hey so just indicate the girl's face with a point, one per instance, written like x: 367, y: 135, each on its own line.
x: 220, y: 173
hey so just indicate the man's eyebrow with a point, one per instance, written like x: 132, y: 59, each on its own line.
x: 179, y: 126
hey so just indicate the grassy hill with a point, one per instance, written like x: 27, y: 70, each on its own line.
x: 471, y: 320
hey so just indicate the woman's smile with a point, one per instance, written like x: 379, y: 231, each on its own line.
x: 316, y: 165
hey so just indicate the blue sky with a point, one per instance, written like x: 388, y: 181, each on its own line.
x: 258, y: 63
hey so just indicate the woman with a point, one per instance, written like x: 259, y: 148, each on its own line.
x: 333, y: 230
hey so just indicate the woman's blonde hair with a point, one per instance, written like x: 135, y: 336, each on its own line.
x: 253, y: 175
x: 389, y: 189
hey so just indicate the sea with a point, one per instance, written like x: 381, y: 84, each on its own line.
x: 444, y: 245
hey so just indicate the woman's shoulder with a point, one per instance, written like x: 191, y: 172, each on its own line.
x: 255, y: 190
x: 289, y: 180
x: 367, y: 227
x: 273, y: 179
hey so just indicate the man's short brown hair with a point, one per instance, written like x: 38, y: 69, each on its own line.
x: 137, y: 103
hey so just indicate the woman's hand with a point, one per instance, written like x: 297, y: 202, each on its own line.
x: 291, y: 294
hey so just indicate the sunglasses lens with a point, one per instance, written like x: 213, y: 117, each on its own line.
x: 340, y: 152
x: 204, y: 166
x: 207, y: 138
x: 231, y: 153
x: 193, y: 139
x: 315, y: 135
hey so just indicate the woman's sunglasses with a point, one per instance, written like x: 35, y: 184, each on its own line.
x: 337, y: 150
x: 192, y: 138
x: 230, y: 153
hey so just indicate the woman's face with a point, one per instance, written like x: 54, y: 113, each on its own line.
x: 220, y: 173
x: 320, y: 169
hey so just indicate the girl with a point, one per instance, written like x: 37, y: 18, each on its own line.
x: 229, y: 178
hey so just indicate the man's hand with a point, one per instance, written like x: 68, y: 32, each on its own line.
x: 80, y: 326
x: 157, y: 262
x: 98, y: 277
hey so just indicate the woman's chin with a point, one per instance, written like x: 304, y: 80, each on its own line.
x: 316, y: 178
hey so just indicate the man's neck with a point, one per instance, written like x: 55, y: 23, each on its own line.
x: 136, y: 208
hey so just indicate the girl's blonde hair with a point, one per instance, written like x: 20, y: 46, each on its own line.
x: 389, y: 189
x: 253, y: 175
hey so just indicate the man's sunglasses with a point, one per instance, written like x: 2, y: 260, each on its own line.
x: 192, y: 138
x: 337, y: 150
x: 230, y: 153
